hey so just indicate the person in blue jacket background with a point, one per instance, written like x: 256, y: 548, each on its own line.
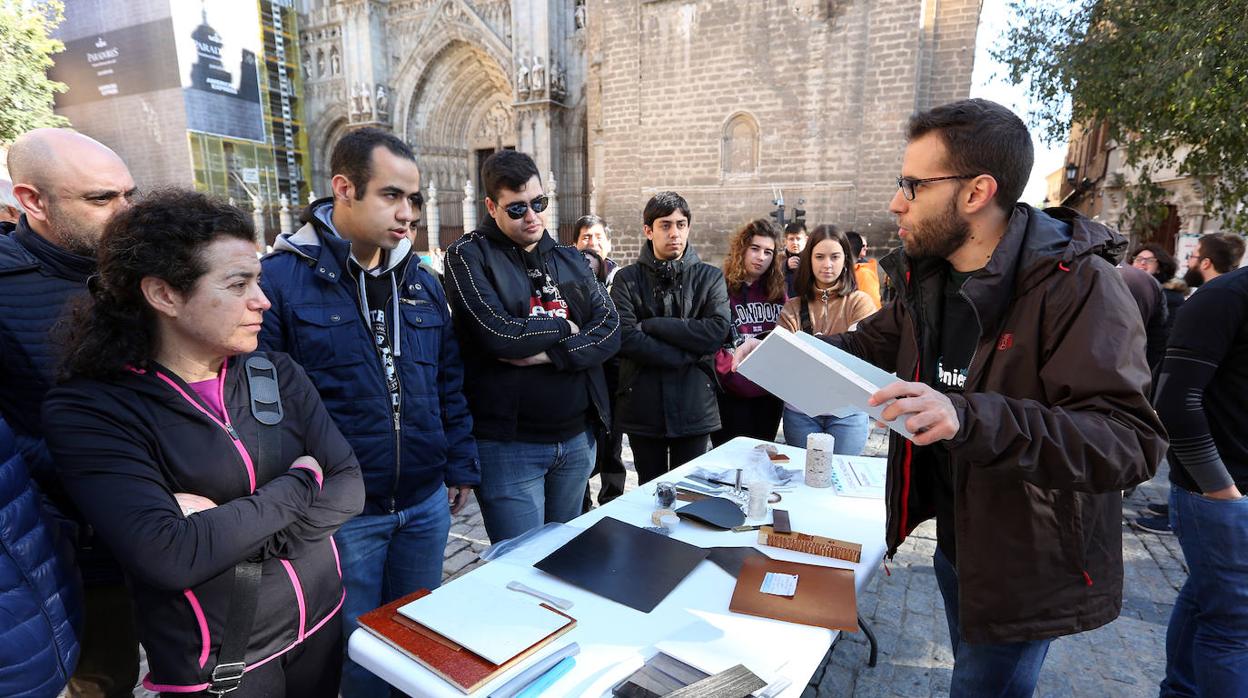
x: 40, y: 600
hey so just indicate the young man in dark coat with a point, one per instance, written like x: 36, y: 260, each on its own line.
x: 1200, y: 399
x: 1025, y: 389
x: 674, y: 315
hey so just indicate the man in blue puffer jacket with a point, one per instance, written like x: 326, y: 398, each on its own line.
x: 353, y: 306
x: 40, y: 602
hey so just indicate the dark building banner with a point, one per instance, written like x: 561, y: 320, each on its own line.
x: 126, y: 61
x: 218, y: 45
x: 210, y: 49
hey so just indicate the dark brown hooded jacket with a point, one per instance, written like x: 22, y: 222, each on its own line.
x: 1055, y: 423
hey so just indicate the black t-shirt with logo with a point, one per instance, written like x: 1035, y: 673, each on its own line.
x: 557, y: 402
x: 959, y: 332
x: 378, y: 291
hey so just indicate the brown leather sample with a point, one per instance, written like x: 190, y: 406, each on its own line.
x: 825, y: 595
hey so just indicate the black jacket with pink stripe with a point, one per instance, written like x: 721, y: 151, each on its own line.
x: 123, y: 449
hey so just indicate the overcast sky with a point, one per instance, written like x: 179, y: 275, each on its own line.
x: 988, y: 81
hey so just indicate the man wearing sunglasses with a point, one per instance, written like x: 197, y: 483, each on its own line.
x: 536, y: 328
x: 1024, y: 383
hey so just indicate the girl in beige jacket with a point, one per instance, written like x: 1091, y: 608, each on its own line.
x: 827, y: 302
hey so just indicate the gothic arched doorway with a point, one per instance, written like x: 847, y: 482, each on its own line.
x: 460, y: 111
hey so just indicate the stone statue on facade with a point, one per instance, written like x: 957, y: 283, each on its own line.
x: 538, y: 76
x: 580, y: 15
x: 558, y: 82
x: 383, y: 100
x: 335, y: 63
x: 367, y: 94
x: 522, y: 78
x: 357, y: 100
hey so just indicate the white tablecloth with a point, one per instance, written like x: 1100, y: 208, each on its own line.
x: 616, y: 640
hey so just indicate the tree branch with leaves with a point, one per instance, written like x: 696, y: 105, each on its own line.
x: 1168, y: 79
x: 26, y: 49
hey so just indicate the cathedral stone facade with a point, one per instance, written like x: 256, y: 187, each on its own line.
x: 725, y: 101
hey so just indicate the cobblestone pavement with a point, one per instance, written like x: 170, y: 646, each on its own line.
x: 1125, y: 658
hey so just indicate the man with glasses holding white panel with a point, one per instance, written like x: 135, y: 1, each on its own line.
x: 535, y: 327
x: 1025, y: 391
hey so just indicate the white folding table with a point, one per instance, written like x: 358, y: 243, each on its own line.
x: 615, y: 640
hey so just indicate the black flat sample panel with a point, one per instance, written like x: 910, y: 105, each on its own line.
x: 624, y: 563
x: 716, y: 512
x: 730, y: 559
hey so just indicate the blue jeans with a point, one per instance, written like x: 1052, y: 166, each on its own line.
x: 385, y: 557
x: 525, y: 484
x: 1207, y: 641
x: 850, y: 433
x: 1004, y: 670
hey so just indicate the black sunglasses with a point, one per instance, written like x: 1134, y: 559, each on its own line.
x: 518, y: 209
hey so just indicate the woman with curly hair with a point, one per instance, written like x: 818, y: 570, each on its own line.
x: 210, y: 470
x: 1154, y: 259
x: 828, y: 302
x: 755, y: 297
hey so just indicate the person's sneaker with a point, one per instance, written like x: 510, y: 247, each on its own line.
x: 1162, y: 510
x: 1152, y: 524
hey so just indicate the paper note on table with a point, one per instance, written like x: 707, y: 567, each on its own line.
x: 778, y: 584
x: 859, y: 476
x: 497, y: 631
x: 816, y: 377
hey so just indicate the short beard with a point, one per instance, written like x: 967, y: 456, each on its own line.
x: 71, y: 237
x: 939, y: 237
x: 1192, y: 278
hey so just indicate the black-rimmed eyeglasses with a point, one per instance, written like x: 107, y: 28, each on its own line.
x: 908, y: 184
x: 517, y: 209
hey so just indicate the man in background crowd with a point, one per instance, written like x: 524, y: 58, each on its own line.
x: 69, y: 187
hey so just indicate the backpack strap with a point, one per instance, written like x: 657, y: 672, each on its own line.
x: 807, y: 325
x: 227, y: 675
x: 266, y: 407
x: 266, y: 399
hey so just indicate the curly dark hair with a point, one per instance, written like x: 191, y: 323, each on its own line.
x: 162, y: 236
x: 734, y: 261
x: 804, y: 280
x: 1166, y: 264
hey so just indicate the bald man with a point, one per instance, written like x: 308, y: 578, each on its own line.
x: 68, y: 186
